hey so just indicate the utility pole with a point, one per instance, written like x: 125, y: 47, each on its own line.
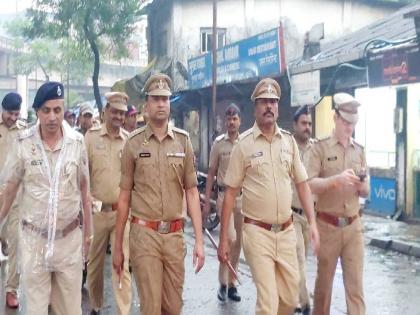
x: 214, y: 70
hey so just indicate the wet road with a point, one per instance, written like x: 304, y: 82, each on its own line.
x: 392, y: 285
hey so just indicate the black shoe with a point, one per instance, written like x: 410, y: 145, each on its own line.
x: 233, y: 294
x: 306, y: 310
x: 221, y: 293
x: 93, y: 312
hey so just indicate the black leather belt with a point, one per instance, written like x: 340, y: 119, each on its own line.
x: 298, y: 210
x: 58, y: 234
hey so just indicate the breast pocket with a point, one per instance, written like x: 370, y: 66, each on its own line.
x: 176, y: 169
x: 261, y: 167
x: 145, y: 168
x: 331, y: 168
x: 70, y: 171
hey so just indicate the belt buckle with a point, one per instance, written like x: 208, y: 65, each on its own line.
x: 342, y: 222
x: 164, y: 227
x: 276, y: 228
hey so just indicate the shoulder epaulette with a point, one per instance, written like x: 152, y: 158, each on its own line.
x: 21, y: 124
x: 95, y: 128
x: 358, y: 144
x: 219, y: 138
x: 286, y: 132
x: 323, y: 139
x: 182, y: 131
x: 245, y: 134
x: 125, y: 132
x: 313, y: 140
x: 136, y: 132
x: 26, y: 133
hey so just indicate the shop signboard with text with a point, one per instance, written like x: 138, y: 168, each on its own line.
x: 258, y: 56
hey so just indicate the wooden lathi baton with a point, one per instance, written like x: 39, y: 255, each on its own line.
x: 228, y: 263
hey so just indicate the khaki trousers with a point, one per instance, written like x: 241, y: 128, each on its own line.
x: 234, y: 239
x: 158, y: 267
x: 12, y: 278
x: 302, y: 242
x: 274, y: 267
x: 104, y: 231
x: 60, y: 288
x: 347, y: 244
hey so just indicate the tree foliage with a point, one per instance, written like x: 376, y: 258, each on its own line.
x: 93, y: 25
x: 63, y: 56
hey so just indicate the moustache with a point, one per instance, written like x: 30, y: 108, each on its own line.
x: 268, y: 113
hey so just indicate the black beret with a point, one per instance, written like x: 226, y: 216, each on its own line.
x: 11, y: 101
x: 303, y: 110
x: 48, y: 91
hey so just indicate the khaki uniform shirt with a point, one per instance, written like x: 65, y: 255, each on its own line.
x: 220, y: 155
x: 327, y: 158
x: 303, y: 151
x: 104, y: 156
x: 27, y: 167
x: 7, y: 138
x: 265, y: 170
x: 157, y: 173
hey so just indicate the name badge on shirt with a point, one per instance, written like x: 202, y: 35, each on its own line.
x: 36, y: 162
x: 332, y: 158
x: 145, y: 155
x: 257, y: 154
x: 177, y: 154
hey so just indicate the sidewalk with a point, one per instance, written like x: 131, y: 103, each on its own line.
x: 392, y: 235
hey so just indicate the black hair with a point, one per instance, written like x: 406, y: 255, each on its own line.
x: 232, y: 110
x: 303, y: 110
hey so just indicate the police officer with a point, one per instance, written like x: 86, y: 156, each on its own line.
x: 333, y: 165
x: 86, y: 120
x: 302, y: 127
x: 157, y: 166
x: 49, y: 162
x: 9, y: 127
x: 264, y: 162
x: 104, y: 146
x: 130, y: 123
x: 219, y: 160
x: 70, y: 117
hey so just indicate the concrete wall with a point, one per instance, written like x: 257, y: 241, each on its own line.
x: 324, y: 123
x: 181, y: 21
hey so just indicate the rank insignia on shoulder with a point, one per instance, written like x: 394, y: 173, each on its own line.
x: 178, y: 154
x: 257, y: 154
x: 332, y: 158
x: 145, y: 155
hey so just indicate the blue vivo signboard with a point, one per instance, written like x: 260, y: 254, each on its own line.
x: 382, y: 195
x: 257, y: 56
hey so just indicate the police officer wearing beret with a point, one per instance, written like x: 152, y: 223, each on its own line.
x: 9, y: 127
x: 157, y: 167
x: 104, y: 145
x: 263, y: 163
x: 49, y: 162
x: 333, y: 166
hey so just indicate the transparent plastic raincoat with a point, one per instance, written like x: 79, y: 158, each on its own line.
x: 52, y: 183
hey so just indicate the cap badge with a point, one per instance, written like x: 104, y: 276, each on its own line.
x: 161, y: 85
x: 270, y: 89
x: 58, y: 91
